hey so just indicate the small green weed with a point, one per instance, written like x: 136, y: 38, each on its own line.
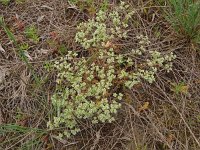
x: 24, y: 46
x: 32, y: 33
x: 89, y: 5
x: 5, y: 2
x: 75, y: 2
x: 198, y: 118
x: 179, y: 88
x: 62, y: 49
x: 20, y: 51
x: 185, y: 17
x: 48, y: 66
x: 82, y: 4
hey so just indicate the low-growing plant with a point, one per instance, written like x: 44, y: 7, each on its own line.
x: 185, y: 17
x: 92, y: 87
x: 24, y: 46
x: 5, y: 2
x: 32, y: 33
x: 62, y: 49
x: 88, y: 5
x: 20, y: 49
x: 106, y: 26
x: 180, y: 88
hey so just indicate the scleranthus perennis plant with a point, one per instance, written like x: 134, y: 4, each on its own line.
x: 92, y: 87
x: 106, y: 26
x: 91, y: 90
x: 84, y: 91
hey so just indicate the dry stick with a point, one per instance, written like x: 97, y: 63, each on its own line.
x: 157, y: 130
x: 134, y: 137
x: 96, y: 141
x: 121, y: 132
x: 181, y: 117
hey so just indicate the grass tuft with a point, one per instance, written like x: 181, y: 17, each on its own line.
x: 185, y: 17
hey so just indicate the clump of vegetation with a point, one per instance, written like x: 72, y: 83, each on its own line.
x: 92, y: 87
x: 5, y: 2
x: 88, y: 5
x: 106, y: 26
x: 24, y: 46
x: 32, y: 33
x: 185, y: 17
x: 78, y: 1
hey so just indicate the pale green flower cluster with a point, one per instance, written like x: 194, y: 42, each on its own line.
x: 84, y: 91
x: 91, y: 88
x: 106, y: 26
